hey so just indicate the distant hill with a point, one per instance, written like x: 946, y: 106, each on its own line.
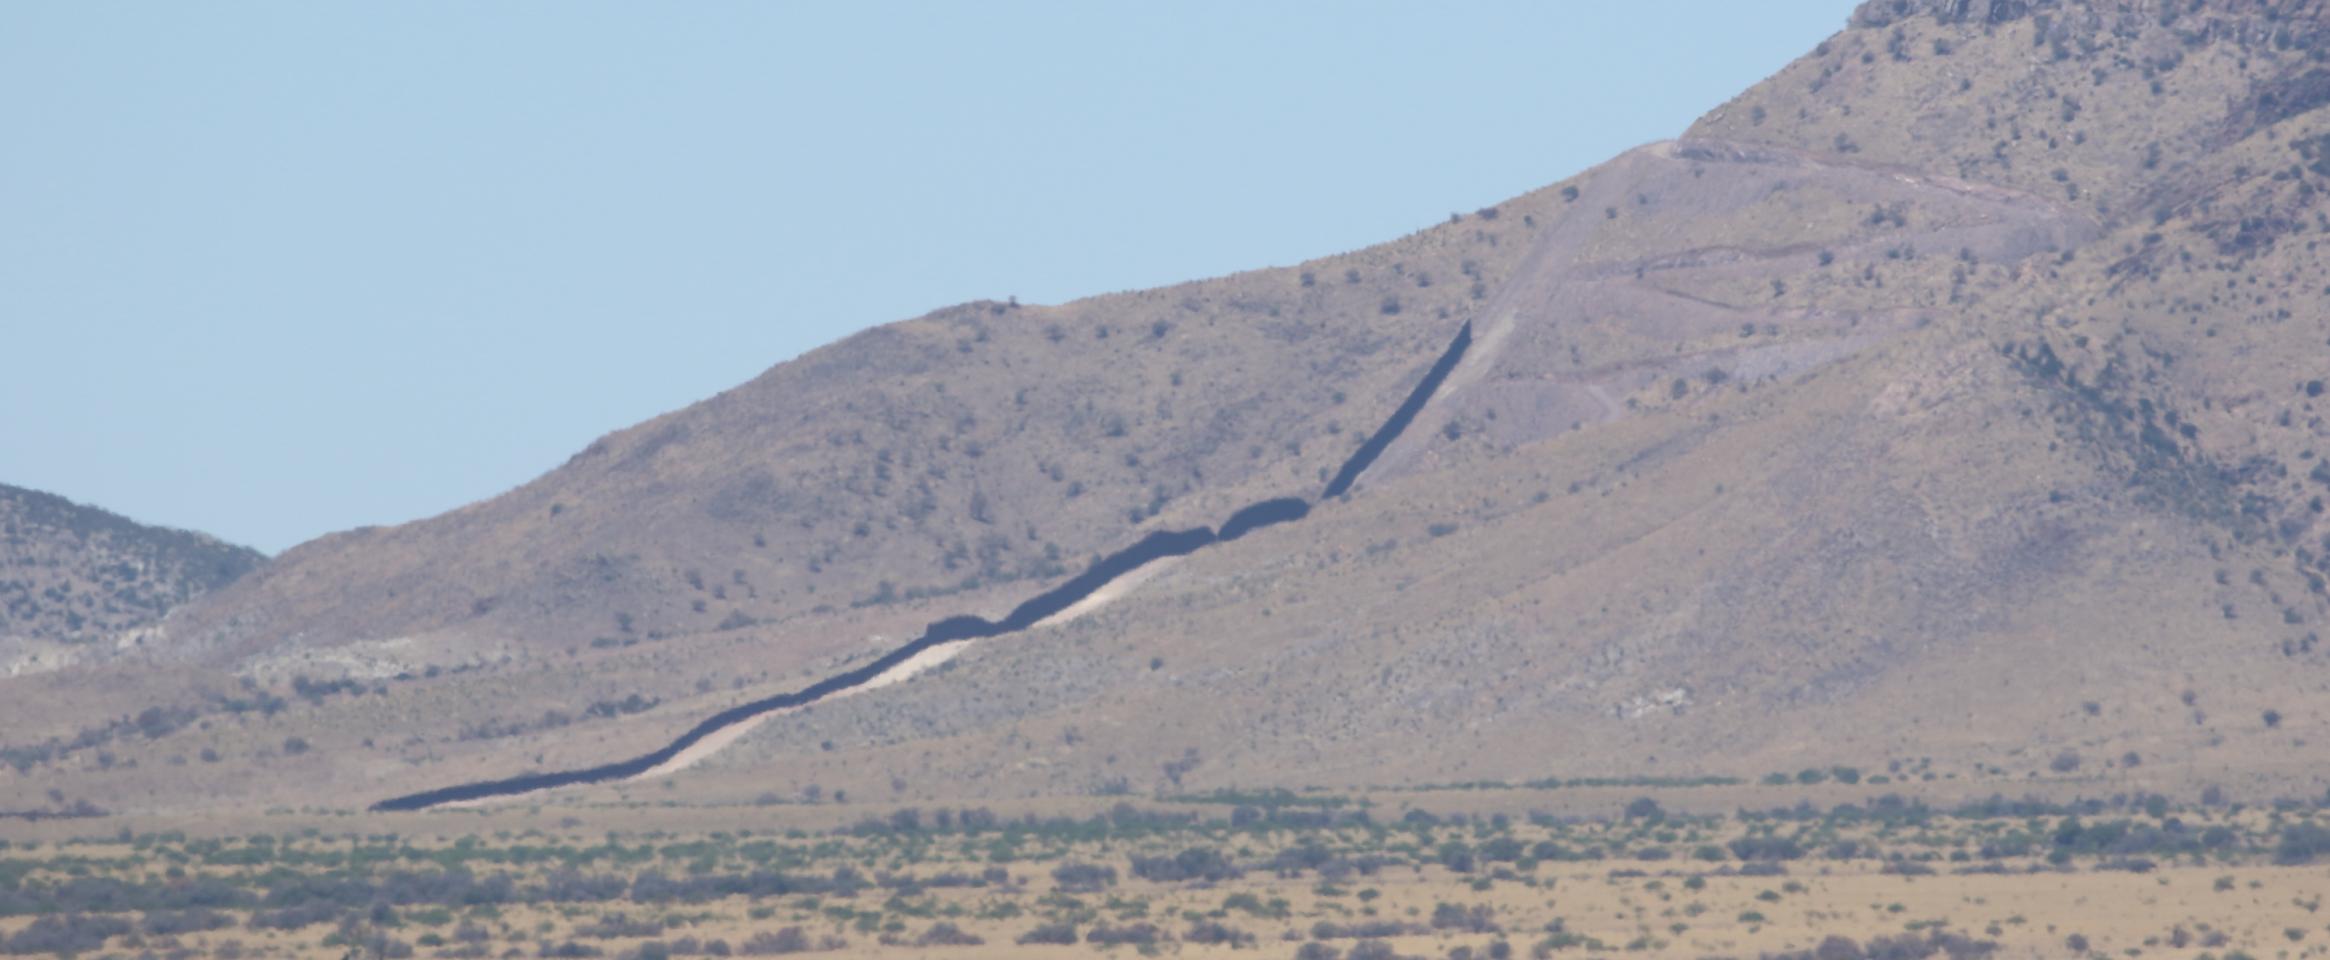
x: 77, y: 575
x: 1950, y: 404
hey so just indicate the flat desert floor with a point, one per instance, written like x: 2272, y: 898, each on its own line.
x: 1272, y: 875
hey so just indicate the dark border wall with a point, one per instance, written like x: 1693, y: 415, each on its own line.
x: 1156, y: 546
x: 1365, y: 456
x: 1267, y: 513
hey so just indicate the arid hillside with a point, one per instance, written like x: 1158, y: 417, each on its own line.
x: 72, y: 576
x: 1830, y: 430
x: 1948, y: 404
x: 970, y: 456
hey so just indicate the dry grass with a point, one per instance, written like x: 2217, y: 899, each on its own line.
x: 2169, y: 882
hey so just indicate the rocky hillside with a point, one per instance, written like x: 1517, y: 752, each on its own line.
x: 974, y: 454
x: 1949, y: 404
x: 72, y: 575
x: 784, y: 530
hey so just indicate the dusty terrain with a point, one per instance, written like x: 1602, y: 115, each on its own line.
x: 1538, y: 872
x: 1885, y: 521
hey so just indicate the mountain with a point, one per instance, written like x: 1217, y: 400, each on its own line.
x: 1949, y: 403
x: 74, y: 576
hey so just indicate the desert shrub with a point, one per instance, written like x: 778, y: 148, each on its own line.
x: 171, y: 923
x: 1766, y: 848
x: 1083, y: 877
x: 1910, y: 946
x: 574, y: 886
x: 1502, y: 850
x: 631, y: 704
x: 293, y: 918
x: 2121, y: 838
x: 1362, y: 929
x: 1216, y: 932
x: 1054, y: 933
x: 1137, y: 934
x: 1477, y: 919
x: 65, y: 933
x: 2301, y: 843
x: 368, y: 942
x: 1838, y: 948
x: 1292, y: 861
x: 770, y: 943
x: 654, y: 887
x: 1195, y: 863
x: 1549, y: 850
x: 1274, y: 909
x: 945, y: 934
x: 111, y: 895
x: 618, y: 926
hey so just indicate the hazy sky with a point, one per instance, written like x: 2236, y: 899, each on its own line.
x: 271, y: 270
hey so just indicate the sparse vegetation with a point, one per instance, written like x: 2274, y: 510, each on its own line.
x: 1127, y: 876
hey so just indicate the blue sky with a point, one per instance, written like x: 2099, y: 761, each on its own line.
x: 272, y: 270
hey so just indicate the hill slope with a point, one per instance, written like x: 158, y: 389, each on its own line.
x: 1957, y: 404
x: 73, y: 576
x: 1948, y: 403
